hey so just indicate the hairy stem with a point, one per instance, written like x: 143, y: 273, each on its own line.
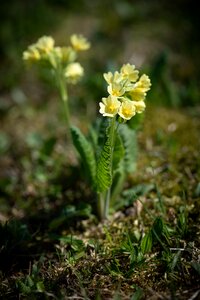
x: 112, y: 139
x: 64, y: 98
x: 100, y: 206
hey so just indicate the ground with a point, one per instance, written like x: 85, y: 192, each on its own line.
x: 101, y: 260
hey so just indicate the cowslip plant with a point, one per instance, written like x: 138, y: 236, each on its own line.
x: 61, y: 62
x: 109, y: 158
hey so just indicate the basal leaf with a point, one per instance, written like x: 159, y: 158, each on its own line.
x: 117, y: 185
x: 86, y: 153
x: 158, y: 226
x: 146, y: 243
x: 118, y: 152
x: 104, y: 176
x: 130, y: 147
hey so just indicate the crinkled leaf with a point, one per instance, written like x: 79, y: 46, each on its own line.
x: 117, y: 185
x: 86, y: 153
x: 118, y: 153
x: 130, y: 147
x: 104, y: 176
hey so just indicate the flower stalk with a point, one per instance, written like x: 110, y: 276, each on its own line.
x: 112, y: 142
x: 62, y: 88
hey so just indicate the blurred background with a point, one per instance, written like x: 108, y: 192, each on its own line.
x: 161, y: 37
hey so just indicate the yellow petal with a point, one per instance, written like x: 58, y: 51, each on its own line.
x: 79, y: 42
x: 127, y: 110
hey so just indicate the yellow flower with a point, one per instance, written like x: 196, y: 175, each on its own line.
x: 73, y: 72
x: 45, y: 44
x: 109, y: 106
x: 125, y: 88
x: 58, y: 52
x: 129, y: 72
x: 65, y: 54
x: 32, y: 54
x: 39, y: 50
x: 108, y: 77
x: 68, y: 54
x: 116, y: 89
x: 139, y: 106
x: 79, y: 42
x: 143, y: 83
x: 111, y: 78
x: 138, y: 93
x: 127, y: 110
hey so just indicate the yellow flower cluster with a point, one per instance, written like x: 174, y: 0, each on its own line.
x: 58, y: 58
x: 127, y: 93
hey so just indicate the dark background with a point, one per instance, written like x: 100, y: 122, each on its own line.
x: 161, y: 36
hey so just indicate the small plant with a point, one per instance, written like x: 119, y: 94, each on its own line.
x: 108, y: 156
x: 32, y: 283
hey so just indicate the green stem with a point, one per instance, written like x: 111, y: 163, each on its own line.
x: 100, y: 206
x: 64, y: 98
x: 107, y: 203
x: 112, y: 142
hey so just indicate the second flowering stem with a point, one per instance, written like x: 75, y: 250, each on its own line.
x: 64, y: 98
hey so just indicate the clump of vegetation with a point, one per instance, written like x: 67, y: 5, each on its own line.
x: 126, y: 98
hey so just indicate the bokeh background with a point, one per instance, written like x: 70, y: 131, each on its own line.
x: 161, y: 37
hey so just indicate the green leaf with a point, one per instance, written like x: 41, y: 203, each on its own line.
x: 197, y: 190
x: 118, y: 153
x: 40, y: 286
x: 102, y: 129
x: 86, y: 153
x: 175, y: 260
x: 196, y: 266
x: 104, y: 176
x: 138, y: 294
x: 117, y: 186
x: 130, y: 146
x: 23, y: 287
x: 118, y: 168
x: 138, y: 190
x: 157, y: 228
x: 93, y: 137
x: 146, y: 243
x: 76, y: 244
x: 48, y: 146
x: 30, y: 282
x: 69, y: 213
x: 128, y: 196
